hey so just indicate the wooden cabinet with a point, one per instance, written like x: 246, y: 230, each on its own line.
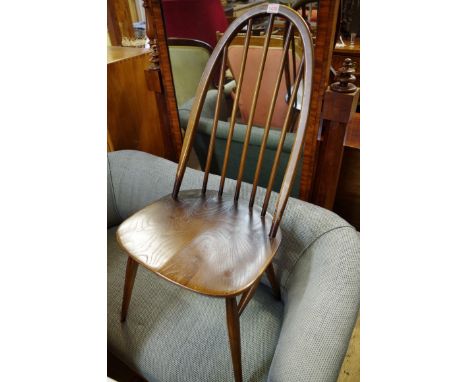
x: 132, y: 115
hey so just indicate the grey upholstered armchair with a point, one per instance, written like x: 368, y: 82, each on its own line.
x: 175, y: 335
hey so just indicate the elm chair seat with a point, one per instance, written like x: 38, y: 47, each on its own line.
x: 204, y: 243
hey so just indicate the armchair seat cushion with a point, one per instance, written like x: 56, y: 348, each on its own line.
x: 172, y: 334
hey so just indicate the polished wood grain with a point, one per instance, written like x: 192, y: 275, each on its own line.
x: 119, y: 21
x: 324, y: 44
x: 167, y: 80
x: 130, y: 273
x: 247, y: 295
x: 338, y: 109
x: 113, y: 28
x: 214, y: 128
x: 207, y: 241
x: 235, y: 106
x: 133, y: 119
x: 233, y: 326
x: 284, y: 131
x: 159, y: 75
x: 261, y: 154
x: 353, y: 132
x: 204, y: 243
x: 110, y: 145
x: 119, y: 53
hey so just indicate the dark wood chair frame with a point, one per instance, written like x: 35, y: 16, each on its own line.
x: 179, y: 41
x: 304, y: 73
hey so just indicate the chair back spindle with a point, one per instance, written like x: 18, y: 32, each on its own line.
x: 284, y: 130
x: 283, y: 63
x: 303, y: 74
x: 253, y: 106
x: 235, y: 106
x: 215, y: 120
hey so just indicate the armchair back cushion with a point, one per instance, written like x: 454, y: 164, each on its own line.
x: 187, y: 64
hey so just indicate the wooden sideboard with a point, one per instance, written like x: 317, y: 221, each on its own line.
x: 132, y: 114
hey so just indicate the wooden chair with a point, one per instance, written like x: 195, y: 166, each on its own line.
x: 206, y: 241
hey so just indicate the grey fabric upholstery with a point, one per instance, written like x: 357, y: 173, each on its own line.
x: 113, y: 217
x: 175, y: 335
x: 172, y: 334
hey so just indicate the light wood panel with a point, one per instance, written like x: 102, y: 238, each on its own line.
x: 132, y: 115
x: 119, y: 21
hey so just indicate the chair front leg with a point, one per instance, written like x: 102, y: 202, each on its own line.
x: 130, y: 273
x: 232, y: 315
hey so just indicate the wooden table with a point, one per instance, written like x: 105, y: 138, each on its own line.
x: 132, y: 115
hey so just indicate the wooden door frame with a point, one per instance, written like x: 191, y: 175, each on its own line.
x: 159, y: 75
x: 325, y: 42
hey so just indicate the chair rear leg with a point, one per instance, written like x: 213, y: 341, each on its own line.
x: 232, y: 315
x: 274, y: 283
x: 130, y: 273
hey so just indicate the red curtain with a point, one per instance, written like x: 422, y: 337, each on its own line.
x: 196, y: 19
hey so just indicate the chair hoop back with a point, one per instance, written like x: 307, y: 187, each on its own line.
x: 303, y: 75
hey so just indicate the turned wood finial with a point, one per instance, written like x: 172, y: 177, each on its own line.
x: 151, y: 33
x: 345, y: 78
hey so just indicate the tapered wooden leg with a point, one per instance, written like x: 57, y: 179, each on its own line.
x: 130, y: 273
x: 272, y: 279
x: 247, y: 296
x: 232, y: 315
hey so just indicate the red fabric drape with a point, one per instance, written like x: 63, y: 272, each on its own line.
x: 196, y: 19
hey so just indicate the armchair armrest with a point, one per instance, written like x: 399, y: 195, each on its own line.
x: 321, y: 309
